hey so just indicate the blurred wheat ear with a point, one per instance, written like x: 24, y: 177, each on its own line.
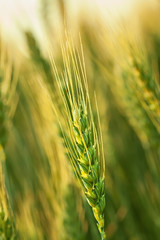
x: 7, y: 225
x: 74, y: 224
x: 82, y: 137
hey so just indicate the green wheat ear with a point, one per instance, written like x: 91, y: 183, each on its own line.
x: 89, y: 166
x: 82, y: 138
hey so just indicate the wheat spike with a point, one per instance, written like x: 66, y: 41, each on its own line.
x: 7, y: 225
x: 81, y: 136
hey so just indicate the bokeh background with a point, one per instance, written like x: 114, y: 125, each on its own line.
x: 121, y: 43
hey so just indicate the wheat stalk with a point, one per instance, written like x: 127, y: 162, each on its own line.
x: 81, y: 136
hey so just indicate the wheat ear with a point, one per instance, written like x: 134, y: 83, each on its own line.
x: 81, y: 136
x: 7, y: 225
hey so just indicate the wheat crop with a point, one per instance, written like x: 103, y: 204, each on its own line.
x: 7, y: 224
x: 82, y: 137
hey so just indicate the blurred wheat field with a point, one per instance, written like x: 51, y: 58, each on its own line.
x: 79, y: 82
